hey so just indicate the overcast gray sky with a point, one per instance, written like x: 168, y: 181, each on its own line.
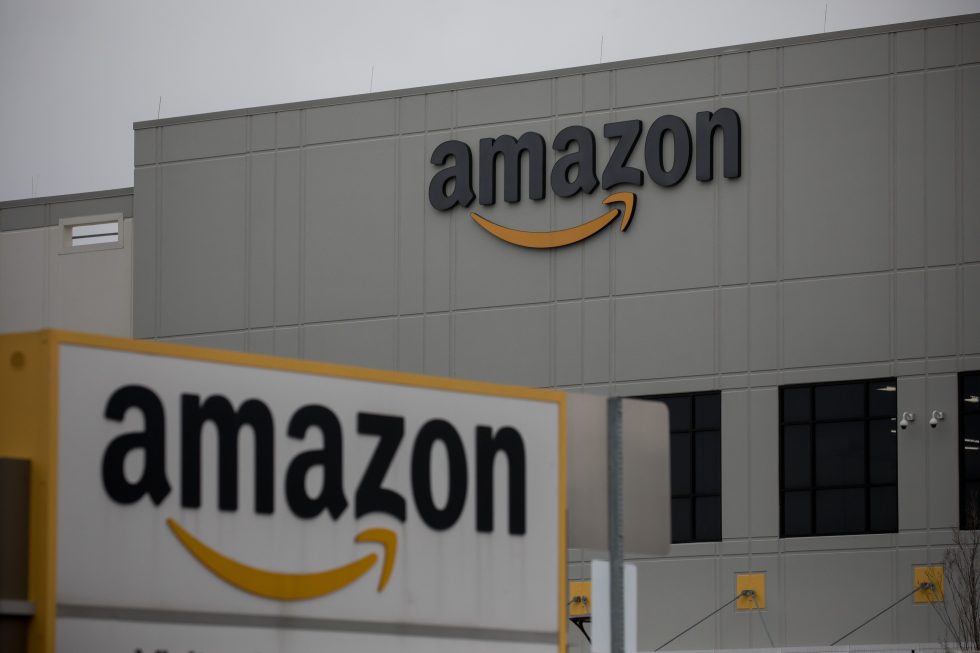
x: 75, y: 75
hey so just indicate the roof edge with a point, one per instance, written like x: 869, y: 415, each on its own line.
x: 560, y: 72
x: 71, y: 197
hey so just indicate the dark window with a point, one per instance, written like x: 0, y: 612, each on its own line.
x: 838, y: 458
x: 969, y: 409
x: 695, y: 466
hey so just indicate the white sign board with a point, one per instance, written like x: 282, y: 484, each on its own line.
x: 224, y: 502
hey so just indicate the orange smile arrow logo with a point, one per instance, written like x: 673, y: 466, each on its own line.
x: 292, y: 587
x: 550, y: 239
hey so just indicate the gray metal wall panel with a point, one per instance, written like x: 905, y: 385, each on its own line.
x: 941, y: 46
x: 97, y: 206
x: 970, y: 149
x: 349, y: 212
x: 262, y: 241
x: 504, y: 345
x: 683, y: 325
x: 262, y: 132
x: 439, y: 111
x: 910, y: 48
x: 909, y: 160
x: 732, y: 198
x: 569, y: 94
x: 765, y: 69
x: 261, y: 341
x: 764, y: 327
x: 370, y: 343
x: 942, y: 457
x: 198, y: 140
x: 913, y: 452
x: 734, y: 73
x: 836, y: 188
x: 344, y: 122
x: 288, y: 237
x: 568, y: 343
x: 667, y: 82
x: 941, y: 327
x: 288, y: 129
x: 666, y: 613
x: 597, y: 251
x: 856, y: 330
x: 202, y: 247
x: 438, y: 246
x: 231, y: 341
x: 145, y: 262
x: 844, y: 588
x: 970, y: 328
x: 940, y: 173
x: 503, y: 103
x: 735, y: 451
x: 831, y: 61
x: 970, y: 43
x: 764, y: 172
x: 411, y: 114
x: 733, y: 329
x: 144, y: 146
x: 412, y: 199
x: 23, y: 280
x: 22, y: 217
x: 567, y: 276
x: 438, y: 342
x: 411, y: 344
x: 597, y: 91
x: 764, y: 460
x: 910, y: 314
x: 597, y: 351
x: 287, y: 342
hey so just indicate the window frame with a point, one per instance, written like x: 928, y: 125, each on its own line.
x: 961, y: 412
x: 693, y: 495
x: 813, y: 488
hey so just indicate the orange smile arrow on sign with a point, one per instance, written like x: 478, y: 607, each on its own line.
x: 562, y: 237
x: 291, y: 587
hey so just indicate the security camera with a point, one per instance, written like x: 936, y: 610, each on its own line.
x: 937, y: 416
x: 906, y: 418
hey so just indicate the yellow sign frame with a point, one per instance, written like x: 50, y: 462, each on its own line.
x: 29, y: 370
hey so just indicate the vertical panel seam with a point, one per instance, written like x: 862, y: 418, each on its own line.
x: 611, y: 317
x: 552, y: 254
x: 301, y: 254
x: 452, y: 255
x: 158, y: 244
x: 425, y: 234
x: 892, y: 219
x: 958, y: 200
x: 247, y: 304
x: 780, y: 210
x: 396, y: 236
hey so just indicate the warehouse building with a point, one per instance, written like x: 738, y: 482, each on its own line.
x: 781, y: 240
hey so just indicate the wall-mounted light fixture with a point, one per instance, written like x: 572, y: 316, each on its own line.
x: 907, y: 418
x: 937, y: 416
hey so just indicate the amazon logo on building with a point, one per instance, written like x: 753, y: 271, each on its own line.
x: 321, y: 466
x: 576, y: 172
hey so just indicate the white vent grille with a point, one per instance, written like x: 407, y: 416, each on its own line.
x: 91, y: 232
